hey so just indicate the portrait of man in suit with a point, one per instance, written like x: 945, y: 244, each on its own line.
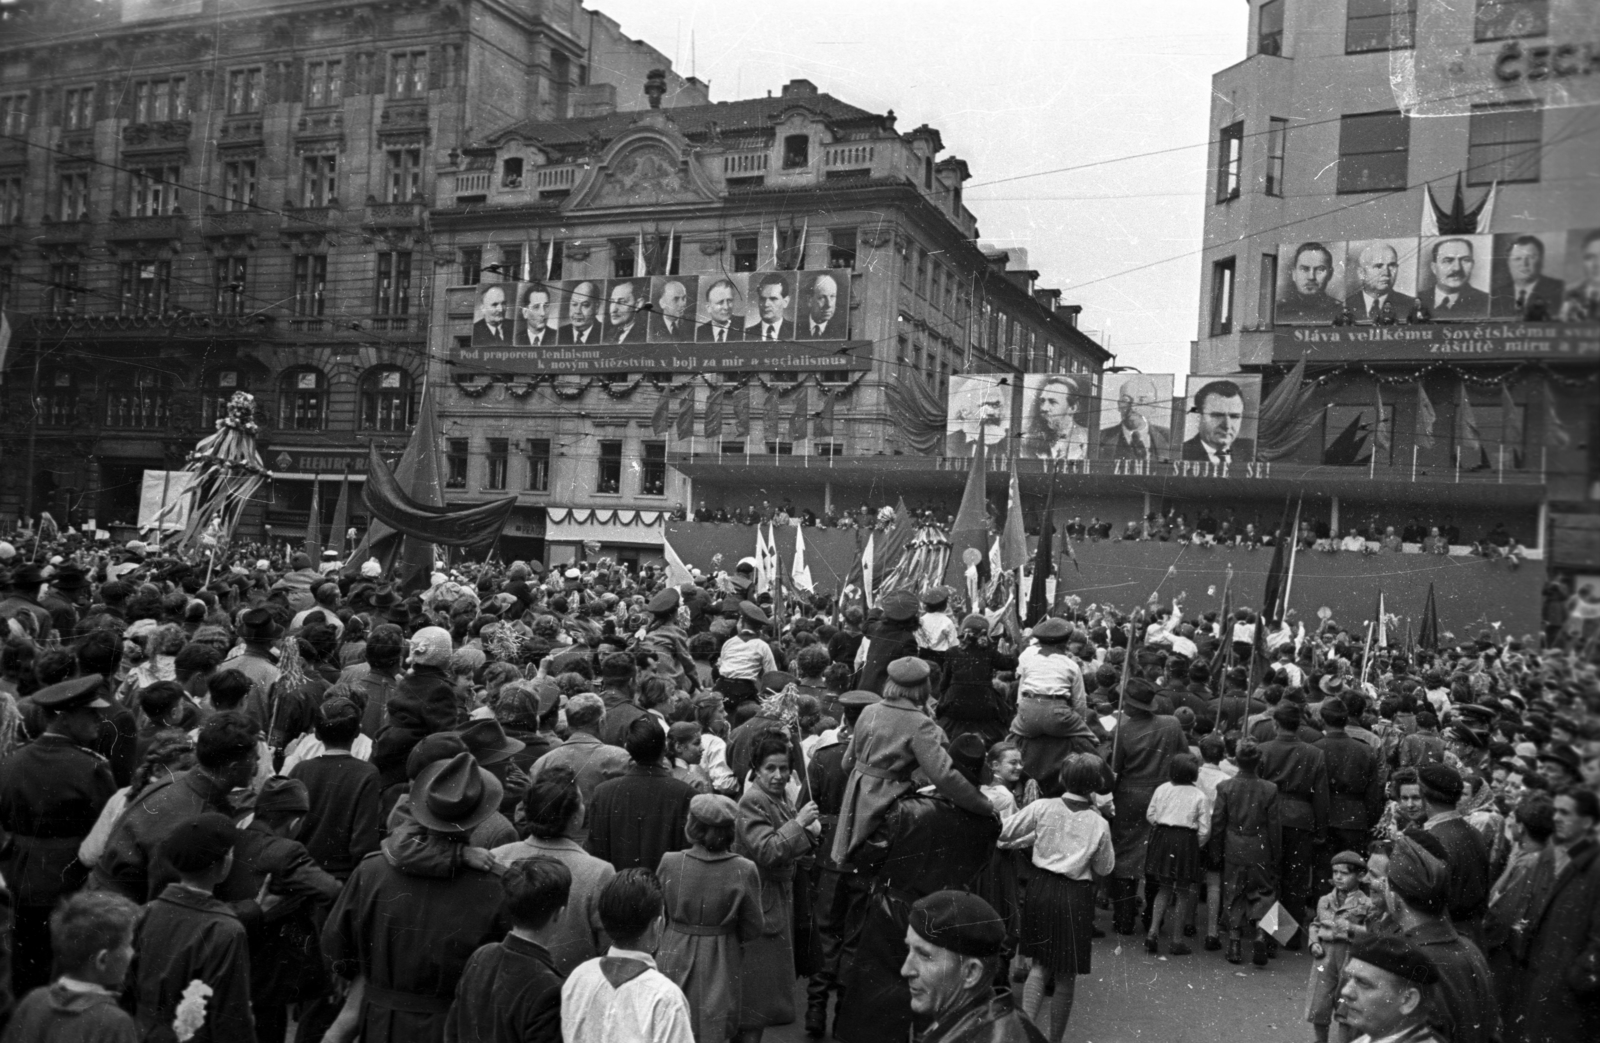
x: 1053, y: 427
x: 494, y: 320
x: 1519, y: 284
x: 1143, y: 407
x: 979, y: 411
x: 583, y: 315
x: 824, y: 318
x: 670, y: 322
x: 1378, y: 268
x: 1307, y: 300
x: 624, y: 323
x: 534, y: 330
x: 722, y: 302
x: 1583, y: 299
x: 772, y: 306
x: 1451, y: 262
x: 1221, y: 413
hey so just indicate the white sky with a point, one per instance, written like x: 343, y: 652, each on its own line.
x: 1016, y: 87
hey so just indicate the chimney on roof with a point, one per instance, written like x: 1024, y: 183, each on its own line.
x: 799, y: 89
x: 655, y: 86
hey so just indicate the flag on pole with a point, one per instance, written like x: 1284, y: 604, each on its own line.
x: 1511, y: 420
x: 341, y: 518
x: 1380, y: 436
x: 5, y: 341
x: 661, y: 419
x: 313, y: 545
x: 1014, y: 539
x: 1381, y: 633
x: 1043, y: 561
x: 741, y: 413
x: 774, y: 418
x: 797, y: 419
x: 822, y: 427
x: 677, y: 572
x: 895, y: 541
x: 868, y: 573
x: 763, y: 556
x: 713, y: 419
x: 969, y: 536
x: 686, y: 414
x: 1425, y: 418
x: 1469, y: 441
x: 1428, y: 627
x: 774, y: 570
x: 1556, y: 435
x: 638, y: 256
x: 799, y: 571
x: 1272, y: 598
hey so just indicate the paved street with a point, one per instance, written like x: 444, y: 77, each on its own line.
x: 1132, y: 996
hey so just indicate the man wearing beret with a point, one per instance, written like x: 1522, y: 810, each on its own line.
x: 1465, y: 852
x: 51, y: 793
x: 1384, y: 996
x: 955, y: 941
x: 1414, y: 894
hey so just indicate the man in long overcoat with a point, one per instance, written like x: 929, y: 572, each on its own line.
x: 1145, y: 742
x: 1301, y: 775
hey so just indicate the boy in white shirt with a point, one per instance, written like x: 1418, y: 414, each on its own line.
x: 621, y: 995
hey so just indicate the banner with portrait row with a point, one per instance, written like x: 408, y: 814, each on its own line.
x: 1135, y: 417
x: 741, y: 320
x: 1511, y: 276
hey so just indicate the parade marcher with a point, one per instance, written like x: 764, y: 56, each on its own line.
x: 622, y: 995
x: 954, y: 942
x: 1384, y: 996
x: 1301, y: 775
x: 967, y: 699
x: 1247, y: 825
x: 894, y: 738
x: 1180, y: 817
x: 510, y: 990
x: 1144, y: 745
x: 713, y: 903
x: 1071, y: 849
x: 51, y: 793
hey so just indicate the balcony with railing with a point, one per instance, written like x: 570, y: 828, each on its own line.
x: 748, y: 166
x: 408, y: 214
x: 555, y: 181
x: 159, y: 226
x: 139, y: 408
x: 848, y: 160
x: 472, y: 185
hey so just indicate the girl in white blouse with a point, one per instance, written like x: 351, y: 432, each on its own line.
x: 1180, y: 811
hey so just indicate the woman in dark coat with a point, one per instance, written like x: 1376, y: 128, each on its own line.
x: 893, y: 638
x: 967, y: 699
x: 1144, y: 743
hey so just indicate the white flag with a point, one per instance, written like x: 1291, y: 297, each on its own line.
x: 800, y: 573
x: 763, y: 577
x: 1278, y: 923
x: 1383, y: 624
x: 677, y: 572
x: 867, y: 578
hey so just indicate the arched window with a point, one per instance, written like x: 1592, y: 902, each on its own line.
x: 303, y: 400
x: 58, y: 398
x: 387, y: 403
x: 220, y: 384
x: 138, y: 398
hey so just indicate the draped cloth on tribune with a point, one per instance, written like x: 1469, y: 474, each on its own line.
x: 227, y: 471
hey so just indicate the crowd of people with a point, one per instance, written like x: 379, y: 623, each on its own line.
x: 590, y: 805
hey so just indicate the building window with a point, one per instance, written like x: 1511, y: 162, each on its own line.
x: 157, y: 101
x: 1379, y: 25
x: 936, y: 290
x: 796, y: 151
x: 14, y: 110
x: 609, y: 479
x: 511, y: 263
x: 1374, y: 148
x: 1503, y: 143
x: 1277, y: 143
x: 1267, y: 291
x: 538, y: 465
x: 922, y: 272
x: 310, y: 283
x: 61, y: 292
x: 392, y: 292
x: 324, y: 82
x: 77, y: 108
x: 780, y: 448
x: 499, y: 459
x: 146, y: 286
x: 403, y: 173
x: 10, y: 200
x: 73, y: 193
x: 511, y: 173
x: 244, y: 91
x: 455, y: 463
x: 408, y: 74
x: 319, y: 184
x: 154, y: 191
x: 1508, y: 19
x: 1222, y: 297
x: 653, y: 474
x: 229, y: 286
x: 842, y: 248
x: 471, y: 265
x: 624, y: 255
x: 1230, y: 158
x: 745, y: 248
x: 137, y: 400
x: 386, y: 401
x: 302, y: 400
x: 239, y: 184
x: 829, y: 448
x: 927, y: 173
x: 58, y: 399
x: 1269, y: 30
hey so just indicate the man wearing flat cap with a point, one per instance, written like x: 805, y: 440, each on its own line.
x: 1462, y: 1003
x: 51, y: 793
x: 1384, y: 994
x: 954, y: 943
x: 1465, y: 852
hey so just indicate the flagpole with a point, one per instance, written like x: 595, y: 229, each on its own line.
x: 1413, y: 462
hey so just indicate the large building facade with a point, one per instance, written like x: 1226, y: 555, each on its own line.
x: 1454, y: 347
x: 636, y: 227
x: 204, y: 196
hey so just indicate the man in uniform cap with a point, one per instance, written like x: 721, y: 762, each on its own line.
x: 954, y: 942
x: 1462, y: 1004
x: 744, y: 658
x: 51, y: 793
x: 936, y: 632
x: 1466, y: 854
x: 894, y: 637
x: 1384, y: 998
x: 668, y: 641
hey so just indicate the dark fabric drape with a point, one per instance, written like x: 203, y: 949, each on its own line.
x: 918, y: 411
x: 1286, y: 416
x: 450, y: 526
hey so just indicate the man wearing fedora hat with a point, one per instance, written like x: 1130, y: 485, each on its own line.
x: 51, y: 793
x: 407, y: 936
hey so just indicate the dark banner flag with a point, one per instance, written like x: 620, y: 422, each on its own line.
x: 450, y: 526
